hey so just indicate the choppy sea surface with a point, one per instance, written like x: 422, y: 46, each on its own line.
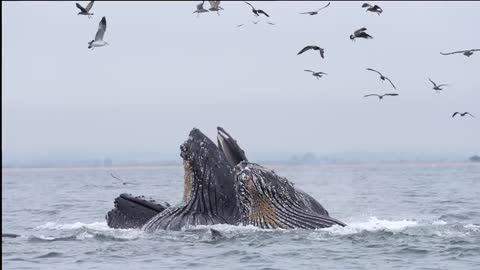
x: 399, y: 216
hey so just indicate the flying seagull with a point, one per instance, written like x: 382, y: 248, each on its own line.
x: 200, y: 9
x: 215, y: 6
x: 257, y: 11
x: 316, y: 74
x: 360, y: 33
x: 467, y: 53
x: 85, y: 10
x: 437, y: 87
x: 382, y: 77
x: 462, y: 114
x: 118, y: 178
x: 374, y: 8
x: 313, y: 47
x: 98, y: 41
x: 380, y: 97
x: 315, y: 12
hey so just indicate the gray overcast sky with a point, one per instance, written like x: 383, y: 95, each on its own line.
x: 166, y: 71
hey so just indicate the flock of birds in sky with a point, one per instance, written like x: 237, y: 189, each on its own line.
x: 360, y: 33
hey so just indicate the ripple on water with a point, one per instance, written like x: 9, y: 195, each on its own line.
x: 50, y: 255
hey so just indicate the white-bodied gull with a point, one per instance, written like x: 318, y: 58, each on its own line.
x: 98, y: 41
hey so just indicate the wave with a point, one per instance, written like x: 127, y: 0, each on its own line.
x: 100, y: 230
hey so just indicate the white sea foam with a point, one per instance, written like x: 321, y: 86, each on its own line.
x: 439, y: 222
x: 473, y: 227
x: 99, y: 226
x: 372, y: 225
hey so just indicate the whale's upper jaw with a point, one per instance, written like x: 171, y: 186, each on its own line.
x: 228, y: 145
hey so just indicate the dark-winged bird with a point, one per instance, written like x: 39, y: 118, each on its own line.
x: 85, y: 10
x: 360, y: 33
x: 382, y: 77
x: 200, y: 9
x: 374, y: 8
x: 313, y: 47
x: 380, y: 97
x: 437, y: 87
x: 467, y: 53
x: 315, y: 12
x: 215, y: 6
x: 462, y: 114
x: 316, y: 74
x: 257, y: 11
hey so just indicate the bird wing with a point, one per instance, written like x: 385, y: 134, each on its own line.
x: 378, y: 8
x: 363, y: 35
x: 308, y: 12
x: 308, y: 70
x: 369, y: 95
x: 451, y: 53
x: 248, y: 4
x: 262, y: 12
x: 475, y: 50
x: 366, y: 5
x: 322, y: 51
x: 455, y: 113
x: 305, y: 49
x: 214, y: 4
x: 359, y: 31
x: 102, y: 27
x: 371, y: 69
x: 80, y: 7
x: 324, y: 7
x: 469, y: 114
x: 390, y: 94
x: 270, y: 23
x: 443, y: 85
x: 89, y: 6
x: 390, y: 82
x: 434, y: 84
x: 200, y: 6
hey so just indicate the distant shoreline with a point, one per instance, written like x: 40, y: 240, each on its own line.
x: 274, y: 164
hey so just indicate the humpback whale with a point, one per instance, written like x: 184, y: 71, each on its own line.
x: 222, y: 187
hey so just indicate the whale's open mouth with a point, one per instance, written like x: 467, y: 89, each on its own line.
x: 209, y: 193
x: 269, y: 201
x: 232, y: 151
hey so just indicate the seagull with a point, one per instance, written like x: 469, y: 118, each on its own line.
x: 85, y: 10
x: 240, y: 25
x: 315, y: 12
x: 462, y: 114
x: 380, y: 97
x: 255, y: 22
x: 215, y: 6
x: 98, y: 42
x: 256, y: 11
x: 437, y: 87
x: 118, y: 178
x: 467, y: 53
x: 360, y: 33
x: 374, y: 8
x: 316, y: 74
x: 200, y: 9
x: 312, y: 47
x: 382, y: 77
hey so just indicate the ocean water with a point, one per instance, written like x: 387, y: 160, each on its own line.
x: 417, y: 216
